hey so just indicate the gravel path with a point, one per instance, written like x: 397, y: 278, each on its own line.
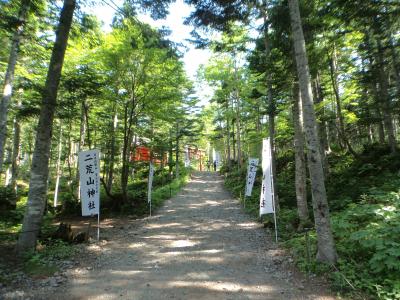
x: 200, y: 245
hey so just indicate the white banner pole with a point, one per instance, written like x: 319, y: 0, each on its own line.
x: 273, y: 193
x: 98, y: 226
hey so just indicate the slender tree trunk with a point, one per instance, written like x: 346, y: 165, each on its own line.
x: 322, y: 126
x: 81, y: 144
x: 234, y: 141
x: 238, y: 127
x: 9, y: 76
x: 381, y: 130
x: 300, y: 158
x: 335, y: 86
x: 177, y: 152
x: 110, y: 176
x: 228, y: 135
x: 15, y: 154
x: 58, y: 168
x: 85, y: 108
x: 125, y: 151
x: 40, y: 162
x: 326, y: 244
x: 170, y: 154
x: 395, y: 61
x: 385, y: 99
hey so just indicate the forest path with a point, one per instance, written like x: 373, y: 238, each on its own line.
x: 199, y: 245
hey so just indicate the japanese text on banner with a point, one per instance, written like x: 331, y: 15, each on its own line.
x: 89, y: 175
x: 251, y: 175
x: 266, y: 197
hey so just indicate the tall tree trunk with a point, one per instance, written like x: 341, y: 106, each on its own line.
x: 233, y: 141
x: 15, y: 154
x: 40, y: 162
x: 228, y: 135
x: 300, y: 158
x: 385, y: 99
x: 395, y: 59
x: 170, y: 154
x: 381, y: 130
x: 125, y: 155
x: 238, y: 129
x: 9, y: 76
x: 58, y: 168
x: 81, y: 144
x: 326, y: 244
x: 322, y: 126
x: 110, y: 176
x: 177, y: 152
x: 85, y: 107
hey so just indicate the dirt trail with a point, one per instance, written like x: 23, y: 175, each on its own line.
x: 200, y: 245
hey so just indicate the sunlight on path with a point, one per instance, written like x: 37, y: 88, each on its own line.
x: 200, y: 245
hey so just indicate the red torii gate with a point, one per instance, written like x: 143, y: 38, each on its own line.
x: 143, y: 153
x: 197, y: 154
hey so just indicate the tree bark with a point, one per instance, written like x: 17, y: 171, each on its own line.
x: 81, y: 144
x: 238, y: 129
x: 9, y: 76
x: 110, y: 176
x: 326, y: 245
x: 385, y: 99
x: 58, y: 168
x: 322, y: 127
x: 177, y: 152
x: 15, y: 154
x: 228, y: 135
x: 40, y: 162
x: 300, y: 159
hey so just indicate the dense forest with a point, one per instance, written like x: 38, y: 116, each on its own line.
x: 320, y: 78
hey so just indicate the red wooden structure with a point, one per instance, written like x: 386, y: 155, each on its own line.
x: 142, y: 153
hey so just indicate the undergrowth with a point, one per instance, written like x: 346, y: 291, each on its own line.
x: 364, y: 198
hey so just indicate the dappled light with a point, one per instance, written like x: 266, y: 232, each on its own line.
x: 199, y: 247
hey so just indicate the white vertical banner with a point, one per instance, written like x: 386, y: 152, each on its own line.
x: 267, y: 194
x: 89, y: 175
x: 187, y: 158
x: 251, y: 175
x: 267, y: 201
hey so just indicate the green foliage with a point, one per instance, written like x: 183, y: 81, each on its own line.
x: 8, y: 198
x: 167, y: 191
x: 365, y: 196
x: 11, y: 221
x: 43, y: 262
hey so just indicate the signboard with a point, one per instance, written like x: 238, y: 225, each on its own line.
x: 251, y: 175
x: 89, y: 175
x: 150, y: 183
x: 267, y: 191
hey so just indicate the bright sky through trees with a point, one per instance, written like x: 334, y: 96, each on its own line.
x: 193, y: 58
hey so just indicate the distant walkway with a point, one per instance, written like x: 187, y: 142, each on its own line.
x: 200, y: 245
